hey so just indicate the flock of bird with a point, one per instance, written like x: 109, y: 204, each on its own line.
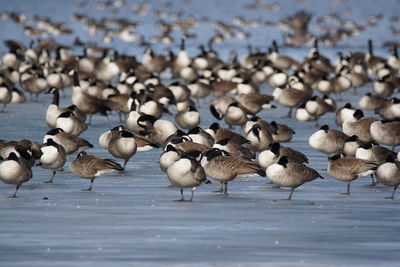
x: 137, y: 90
x: 296, y: 28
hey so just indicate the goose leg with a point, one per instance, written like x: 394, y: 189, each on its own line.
x: 291, y: 193
x: 4, y: 108
x: 182, y: 198
x: 394, y: 191
x: 125, y: 162
x: 348, y: 189
x: 373, y: 183
x: 191, y: 196
x: 225, y: 189
x: 90, y: 187
x: 15, y: 193
x: 289, y: 115
x: 51, y: 180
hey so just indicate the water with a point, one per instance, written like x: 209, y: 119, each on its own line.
x: 130, y: 218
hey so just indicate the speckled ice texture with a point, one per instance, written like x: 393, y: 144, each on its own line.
x: 130, y: 219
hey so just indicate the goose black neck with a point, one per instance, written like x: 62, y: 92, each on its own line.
x: 182, y: 44
x: 56, y: 98
x: 370, y: 47
x: 275, y: 46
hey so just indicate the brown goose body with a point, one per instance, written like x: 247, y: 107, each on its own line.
x: 347, y: 169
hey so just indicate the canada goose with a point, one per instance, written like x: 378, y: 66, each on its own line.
x: 283, y: 133
x: 183, y: 144
x: 119, y: 103
x: 87, y: 103
x: 340, y: 83
x: 260, y: 138
x: 373, y: 152
x: 374, y: 63
x: 77, y: 112
x: 5, y: 95
x: 324, y: 85
x: 201, y: 61
x: 54, y: 79
x: 276, y: 151
x: 69, y: 123
x: 137, y: 122
x: 53, y: 111
x: 351, y: 144
x: 245, y: 87
x: 296, y: 82
x: 12, y: 171
x: 225, y: 168
x: 371, y: 102
x: 150, y: 107
x: 187, y: 172
x: 328, y: 141
x: 347, y: 169
x: 188, y: 119
x: 393, y: 60
x: 254, y: 102
x: 200, y: 136
x: 123, y: 146
x: 277, y: 79
x: 105, y: 138
x: 235, y: 115
x: 71, y: 143
x: 220, y: 105
x: 154, y: 63
x: 384, y: 87
x: 386, y: 132
x: 257, y: 120
x: 180, y: 91
x: 184, y: 105
x: 28, y: 152
x: 161, y: 130
x: 17, y: 96
x: 390, y: 110
x: 389, y: 174
x: 282, y: 62
x: 234, y: 149
x: 301, y: 114
x: 219, y: 133
x: 220, y: 87
x: 33, y: 82
x: 290, y: 174
x: 161, y: 94
x: 90, y: 167
x: 53, y: 157
x: 290, y: 97
x: 344, y: 113
x: 199, y: 88
x: 317, y: 107
x: 169, y: 156
x: 358, y: 125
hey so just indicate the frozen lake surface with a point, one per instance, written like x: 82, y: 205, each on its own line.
x: 130, y: 218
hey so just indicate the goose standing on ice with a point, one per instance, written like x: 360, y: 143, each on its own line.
x: 53, y: 157
x: 187, y: 172
x: 290, y: 174
x: 14, y: 171
x: 389, y: 174
x: 90, y: 167
x: 347, y: 169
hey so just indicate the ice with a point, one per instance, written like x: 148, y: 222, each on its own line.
x: 131, y: 219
